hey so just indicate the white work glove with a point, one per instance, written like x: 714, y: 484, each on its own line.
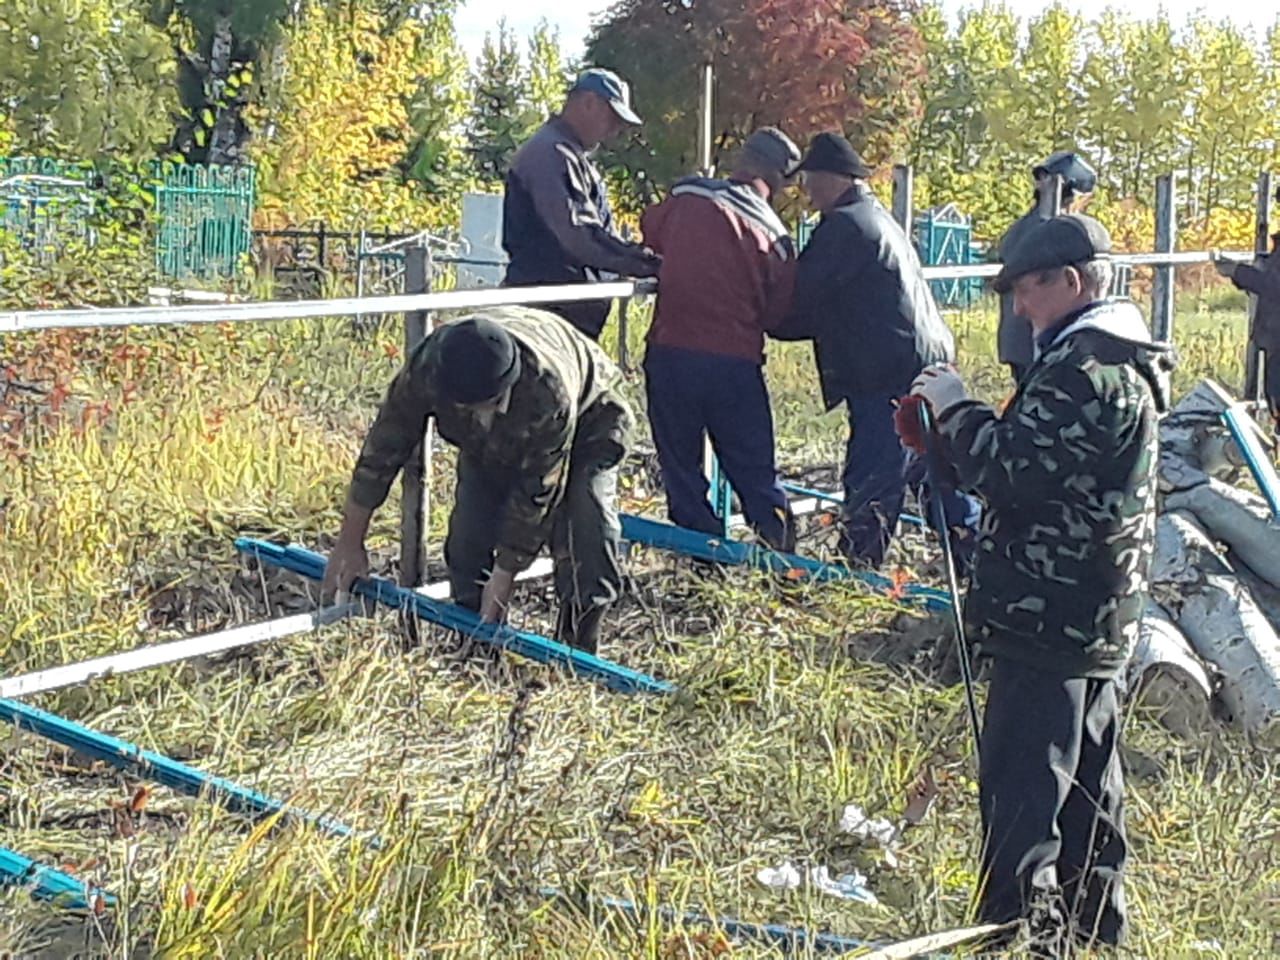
x: 941, y: 388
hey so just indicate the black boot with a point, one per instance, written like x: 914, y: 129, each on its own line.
x: 580, y: 628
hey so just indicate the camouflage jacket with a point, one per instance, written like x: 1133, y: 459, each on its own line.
x: 1068, y: 476
x: 565, y: 405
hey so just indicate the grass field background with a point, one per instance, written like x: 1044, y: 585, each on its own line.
x: 488, y: 784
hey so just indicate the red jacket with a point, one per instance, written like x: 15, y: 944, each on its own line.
x: 728, y: 265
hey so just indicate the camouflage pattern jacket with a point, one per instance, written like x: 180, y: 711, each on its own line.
x: 565, y: 407
x: 1068, y: 476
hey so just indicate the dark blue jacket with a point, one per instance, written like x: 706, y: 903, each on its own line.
x: 556, y: 222
x: 861, y: 297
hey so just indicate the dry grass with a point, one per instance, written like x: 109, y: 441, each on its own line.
x: 487, y: 783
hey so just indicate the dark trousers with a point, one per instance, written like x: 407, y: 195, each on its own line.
x: 875, y: 479
x: 1051, y: 794
x: 877, y: 472
x: 692, y: 395
x: 584, y: 541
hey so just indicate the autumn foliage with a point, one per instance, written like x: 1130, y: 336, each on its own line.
x: 803, y: 65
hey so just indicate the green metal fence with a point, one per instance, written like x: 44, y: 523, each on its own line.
x: 47, y: 203
x: 204, y: 217
x: 203, y: 214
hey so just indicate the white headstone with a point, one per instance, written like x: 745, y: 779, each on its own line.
x: 482, y: 235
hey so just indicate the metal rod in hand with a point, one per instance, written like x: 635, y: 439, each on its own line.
x: 934, y: 471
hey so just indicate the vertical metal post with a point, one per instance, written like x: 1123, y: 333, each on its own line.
x: 720, y: 496
x: 1162, y: 290
x: 1253, y: 358
x: 708, y: 108
x: 1051, y: 199
x: 415, y: 503
x: 360, y: 265
x: 903, y: 196
x: 624, y: 315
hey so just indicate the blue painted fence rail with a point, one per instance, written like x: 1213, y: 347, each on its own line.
x: 665, y: 536
x: 789, y: 939
x: 47, y: 883
x: 159, y: 768
x: 613, y: 675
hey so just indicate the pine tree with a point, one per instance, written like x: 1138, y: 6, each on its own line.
x: 501, y: 118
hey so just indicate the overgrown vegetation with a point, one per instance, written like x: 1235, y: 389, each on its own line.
x: 131, y: 458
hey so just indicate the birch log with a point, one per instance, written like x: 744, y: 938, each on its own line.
x: 1222, y: 621
x: 1236, y: 518
x: 1167, y: 678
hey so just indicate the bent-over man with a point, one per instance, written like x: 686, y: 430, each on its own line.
x: 533, y: 407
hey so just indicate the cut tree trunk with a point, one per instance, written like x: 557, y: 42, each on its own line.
x: 1167, y: 678
x: 1238, y: 519
x: 1223, y: 622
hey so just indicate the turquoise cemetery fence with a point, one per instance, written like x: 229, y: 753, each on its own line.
x: 203, y: 214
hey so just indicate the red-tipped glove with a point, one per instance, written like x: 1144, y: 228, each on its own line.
x: 906, y: 421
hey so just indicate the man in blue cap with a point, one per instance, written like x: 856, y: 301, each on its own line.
x: 1014, y: 340
x: 557, y: 226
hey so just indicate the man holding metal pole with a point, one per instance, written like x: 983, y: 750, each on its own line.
x: 557, y: 226
x: 1262, y: 279
x: 1067, y: 474
x: 535, y: 410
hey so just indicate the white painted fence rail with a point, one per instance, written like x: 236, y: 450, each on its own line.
x: 144, y: 658
x: 21, y: 320
x: 24, y: 320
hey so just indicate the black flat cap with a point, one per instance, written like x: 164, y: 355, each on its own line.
x: 480, y: 360
x: 832, y: 153
x: 1055, y: 242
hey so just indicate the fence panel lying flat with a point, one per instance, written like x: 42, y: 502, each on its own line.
x: 47, y: 883
x: 154, y: 766
x: 702, y: 546
x: 530, y: 645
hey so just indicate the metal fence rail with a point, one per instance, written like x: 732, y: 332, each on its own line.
x: 25, y: 320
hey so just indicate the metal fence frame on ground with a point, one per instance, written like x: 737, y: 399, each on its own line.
x: 417, y: 308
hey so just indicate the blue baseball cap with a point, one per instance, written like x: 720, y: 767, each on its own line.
x: 610, y: 86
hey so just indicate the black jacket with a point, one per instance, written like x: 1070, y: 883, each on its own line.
x: 1013, y: 337
x: 861, y: 297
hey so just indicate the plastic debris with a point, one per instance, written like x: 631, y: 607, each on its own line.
x: 847, y: 886
x: 784, y: 877
x: 855, y: 821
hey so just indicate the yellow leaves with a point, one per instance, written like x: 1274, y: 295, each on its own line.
x: 343, y: 121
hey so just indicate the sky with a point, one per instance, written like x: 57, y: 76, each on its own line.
x: 573, y: 17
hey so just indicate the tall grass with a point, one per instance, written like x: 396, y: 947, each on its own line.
x: 486, y: 783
